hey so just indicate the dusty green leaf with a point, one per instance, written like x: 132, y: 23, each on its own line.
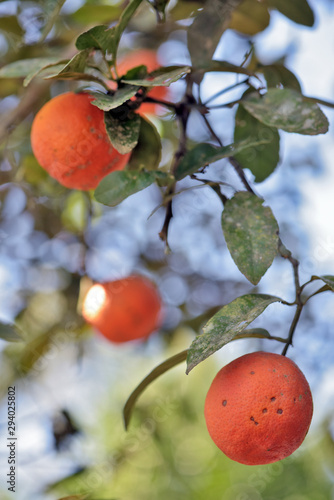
x: 251, y: 234
x: 203, y: 154
x: 261, y: 160
x: 288, y: 110
x: 251, y: 17
x: 161, y: 77
x: 10, y: 332
x: 106, y: 102
x: 298, y: 11
x: 123, y: 133
x: 118, y: 185
x: 226, y: 324
x: 277, y: 75
x: 98, y: 38
x: 28, y: 68
x: 206, y: 30
x: 147, y: 153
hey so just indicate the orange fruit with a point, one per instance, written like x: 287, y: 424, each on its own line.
x: 70, y: 141
x: 259, y: 408
x: 125, y: 309
x: 149, y: 59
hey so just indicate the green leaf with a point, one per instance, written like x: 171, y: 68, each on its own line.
x: 75, y: 497
x: 153, y: 375
x: 258, y: 333
x: 122, y: 132
x: 75, y: 213
x: 99, y: 37
x: 226, y: 324
x: 251, y: 234
x: 118, y: 185
x: 106, y: 102
x: 277, y: 75
x: 203, y: 154
x: 161, y: 77
x: 10, y: 332
x: 27, y: 67
x: 147, y: 153
x: 160, y: 7
x: 75, y: 66
x: 206, y: 30
x: 124, y: 19
x: 91, y: 14
x: 298, y: 11
x: 51, y: 13
x: 261, y: 160
x: 10, y: 24
x: 104, y: 38
x: 250, y: 18
x: 329, y: 280
x: 136, y: 73
x: 288, y: 110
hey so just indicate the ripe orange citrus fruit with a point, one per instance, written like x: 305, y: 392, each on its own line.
x: 259, y: 408
x: 149, y: 59
x: 70, y: 141
x: 125, y: 309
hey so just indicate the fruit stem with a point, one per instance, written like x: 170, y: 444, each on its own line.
x: 292, y: 328
x: 286, y: 254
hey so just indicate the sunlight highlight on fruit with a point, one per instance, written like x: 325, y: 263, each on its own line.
x: 122, y: 310
x: 94, y: 301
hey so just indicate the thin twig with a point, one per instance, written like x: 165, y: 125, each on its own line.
x: 236, y: 165
x: 225, y: 90
x: 213, y: 185
x: 240, y: 171
x: 227, y: 105
x: 292, y: 328
x: 286, y: 254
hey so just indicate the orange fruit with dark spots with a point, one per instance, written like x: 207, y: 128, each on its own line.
x: 259, y: 408
x: 122, y: 310
x: 70, y: 141
x: 148, y: 58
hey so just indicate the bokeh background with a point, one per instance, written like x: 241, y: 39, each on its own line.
x: 71, y: 383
